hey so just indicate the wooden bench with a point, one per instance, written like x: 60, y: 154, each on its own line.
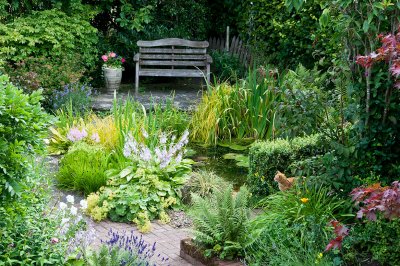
x: 172, y: 58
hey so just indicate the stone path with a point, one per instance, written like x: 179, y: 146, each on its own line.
x: 166, y: 237
x: 185, y: 95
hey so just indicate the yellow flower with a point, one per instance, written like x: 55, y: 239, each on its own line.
x: 320, y: 255
x: 304, y: 200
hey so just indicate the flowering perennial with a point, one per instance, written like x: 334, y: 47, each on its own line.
x: 162, y: 155
x: 112, y: 60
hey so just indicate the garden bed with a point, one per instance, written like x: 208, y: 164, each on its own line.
x: 195, y: 255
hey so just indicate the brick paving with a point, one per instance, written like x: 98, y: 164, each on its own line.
x: 166, y: 237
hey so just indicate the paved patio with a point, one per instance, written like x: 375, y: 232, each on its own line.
x: 185, y: 92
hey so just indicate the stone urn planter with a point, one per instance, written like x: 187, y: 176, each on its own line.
x: 112, y: 78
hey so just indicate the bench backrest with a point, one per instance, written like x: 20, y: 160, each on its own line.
x: 173, y: 52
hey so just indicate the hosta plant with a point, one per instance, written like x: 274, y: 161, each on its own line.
x: 149, y: 184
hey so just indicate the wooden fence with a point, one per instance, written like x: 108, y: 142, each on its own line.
x: 236, y: 47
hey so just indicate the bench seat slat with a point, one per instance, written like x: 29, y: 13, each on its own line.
x: 171, y: 51
x: 175, y: 57
x: 171, y: 63
x: 171, y: 73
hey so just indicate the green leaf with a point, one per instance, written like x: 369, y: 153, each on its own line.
x: 365, y: 26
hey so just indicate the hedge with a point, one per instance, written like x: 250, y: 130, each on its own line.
x: 268, y: 157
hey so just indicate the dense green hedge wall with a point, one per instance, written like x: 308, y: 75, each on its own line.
x: 268, y: 157
x: 52, y: 35
x: 278, y: 36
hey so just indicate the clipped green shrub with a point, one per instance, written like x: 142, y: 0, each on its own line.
x: 23, y: 126
x: 266, y: 158
x: 83, y: 168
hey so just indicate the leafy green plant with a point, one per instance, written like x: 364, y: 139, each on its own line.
x: 305, y: 106
x: 83, y: 168
x: 48, y: 73
x: 23, y: 126
x: 281, y: 36
x: 49, y: 54
x: 33, y: 229
x: 75, y: 96
x: 57, y: 35
x: 227, y: 66
x: 294, y: 222
x: 374, y: 241
x: 221, y: 222
x: 148, y: 184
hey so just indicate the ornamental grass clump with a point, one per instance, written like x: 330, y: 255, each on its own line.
x: 148, y: 185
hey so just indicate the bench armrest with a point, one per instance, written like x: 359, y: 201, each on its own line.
x: 136, y: 58
x: 209, y: 59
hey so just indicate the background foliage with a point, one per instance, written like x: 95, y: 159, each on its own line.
x: 23, y: 125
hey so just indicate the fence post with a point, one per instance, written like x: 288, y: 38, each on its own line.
x: 227, y: 39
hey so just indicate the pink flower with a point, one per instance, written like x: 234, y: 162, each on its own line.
x: 123, y: 60
x: 112, y: 54
x: 104, y: 57
x: 75, y: 134
x: 54, y: 240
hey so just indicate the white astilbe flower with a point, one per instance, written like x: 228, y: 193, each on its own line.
x: 74, y: 210
x: 64, y: 221
x: 83, y: 204
x: 70, y: 199
x: 63, y: 206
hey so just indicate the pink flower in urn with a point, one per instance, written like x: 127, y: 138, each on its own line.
x: 112, y: 54
x: 104, y: 57
x: 123, y: 60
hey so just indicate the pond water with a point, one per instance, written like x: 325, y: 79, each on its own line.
x: 211, y: 158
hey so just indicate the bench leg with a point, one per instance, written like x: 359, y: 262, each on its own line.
x: 137, y: 79
x: 208, y: 74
